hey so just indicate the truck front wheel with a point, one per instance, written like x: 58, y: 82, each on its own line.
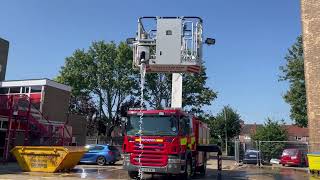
x: 133, y: 174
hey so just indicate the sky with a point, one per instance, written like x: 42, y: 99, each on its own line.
x: 252, y: 39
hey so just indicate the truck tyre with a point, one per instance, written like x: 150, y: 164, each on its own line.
x: 187, y: 170
x: 133, y: 174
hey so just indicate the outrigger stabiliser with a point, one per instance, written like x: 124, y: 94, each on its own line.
x: 212, y: 148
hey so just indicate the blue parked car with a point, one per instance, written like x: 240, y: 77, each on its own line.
x: 101, y: 154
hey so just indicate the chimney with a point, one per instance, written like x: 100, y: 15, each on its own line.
x: 255, y: 128
x: 241, y: 123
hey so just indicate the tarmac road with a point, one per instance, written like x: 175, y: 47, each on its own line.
x: 116, y: 172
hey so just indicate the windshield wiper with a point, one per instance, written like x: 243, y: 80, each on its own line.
x: 165, y: 133
x: 145, y: 133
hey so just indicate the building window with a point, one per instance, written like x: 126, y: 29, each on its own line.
x: 25, y: 89
x: 4, y: 124
x: 168, y: 32
x: 36, y: 89
x: 4, y: 90
x: 15, y: 90
x: 298, y: 138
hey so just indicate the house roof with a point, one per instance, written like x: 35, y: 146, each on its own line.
x: 35, y: 82
x: 294, y: 130
x: 3, y: 41
x: 249, y: 129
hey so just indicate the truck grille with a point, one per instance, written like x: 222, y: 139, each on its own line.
x: 152, y: 155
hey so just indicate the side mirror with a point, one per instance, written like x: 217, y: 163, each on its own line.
x: 210, y: 41
x: 130, y: 40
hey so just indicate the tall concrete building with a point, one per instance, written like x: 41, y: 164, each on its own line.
x: 310, y: 16
x: 4, y: 49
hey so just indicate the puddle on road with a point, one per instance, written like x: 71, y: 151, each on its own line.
x: 100, y: 174
x: 116, y: 172
x: 79, y: 173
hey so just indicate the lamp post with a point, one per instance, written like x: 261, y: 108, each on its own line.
x: 225, y: 118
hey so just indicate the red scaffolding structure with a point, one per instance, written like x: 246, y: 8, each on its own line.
x: 24, y: 117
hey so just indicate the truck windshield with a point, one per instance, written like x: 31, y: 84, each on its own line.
x: 152, y: 125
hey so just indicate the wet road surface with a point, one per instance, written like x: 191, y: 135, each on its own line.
x: 116, y: 172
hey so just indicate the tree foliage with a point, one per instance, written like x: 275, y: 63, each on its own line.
x: 158, y: 90
x: 104, y: 85
x: 101, y: 77
x: 293, y: 72
x: 196, y: 93
x: 271, y: 131
x: 225, y: 123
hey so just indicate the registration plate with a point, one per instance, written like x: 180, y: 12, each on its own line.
x: 253, y: 156
x: 148, y: 170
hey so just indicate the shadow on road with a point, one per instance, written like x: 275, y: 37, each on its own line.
x: 257, y: 173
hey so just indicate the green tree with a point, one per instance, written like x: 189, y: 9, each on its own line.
x: 102, y: 75
x: 103, y: 78
x: 293, y: 72
x: 225, y: 124
x: 196, y: 93
x: 271, y: 131
x: 158, y: 90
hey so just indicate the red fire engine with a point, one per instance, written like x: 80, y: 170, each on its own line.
x: 171, y: 140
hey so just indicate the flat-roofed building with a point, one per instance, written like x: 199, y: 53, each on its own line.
x: 49, y: 97
x: 35, y: 112
x: 4, y: 49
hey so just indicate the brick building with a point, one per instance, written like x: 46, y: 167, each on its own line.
x: 310, y: 16
x: 50, y: 97
x: 247, y: 130
x: 295, y: 133
x: 35, y: 112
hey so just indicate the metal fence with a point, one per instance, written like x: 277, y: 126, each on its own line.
x: 115, y: 141
x: 266, y: 152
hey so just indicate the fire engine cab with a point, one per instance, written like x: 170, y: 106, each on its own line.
x: 170, y: 140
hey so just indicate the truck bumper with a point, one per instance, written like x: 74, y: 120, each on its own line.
x: 175, y: 166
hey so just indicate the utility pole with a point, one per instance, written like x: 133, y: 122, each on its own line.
x: 225, y: 118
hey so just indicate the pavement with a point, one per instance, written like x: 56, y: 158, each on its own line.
x: 10, y: 167
x: 231, y: 171
x: 278, y: 166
